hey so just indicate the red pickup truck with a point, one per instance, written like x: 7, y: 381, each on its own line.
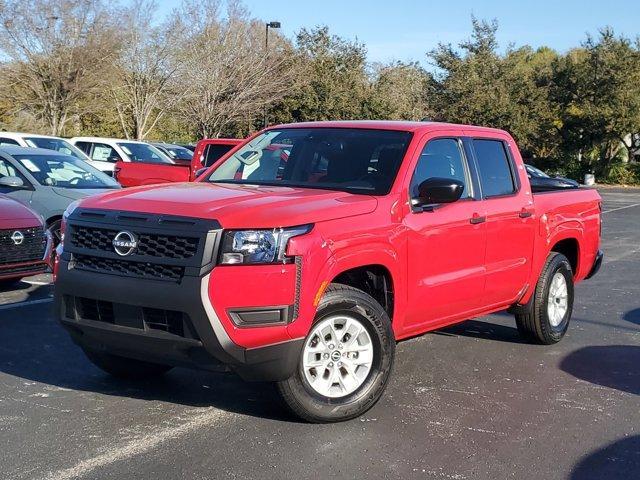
x: 25, y: 245
x: 305, y: 268
x: 207, y: 152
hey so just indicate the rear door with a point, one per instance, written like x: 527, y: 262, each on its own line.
x: 509, y: 218
x: 446, y: 245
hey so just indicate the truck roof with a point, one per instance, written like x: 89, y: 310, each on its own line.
x: 402, y: 125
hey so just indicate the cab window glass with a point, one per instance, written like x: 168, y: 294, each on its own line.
x: 495, y: 170
x: 441, y: 158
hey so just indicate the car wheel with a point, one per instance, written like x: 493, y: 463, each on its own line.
x: 125, y: 368
x: 346, y: 358
x: 549, y: 313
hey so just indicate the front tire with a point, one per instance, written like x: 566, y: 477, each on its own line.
x: 547, y: 318
x: 346, y: 359
x: 125, y: 368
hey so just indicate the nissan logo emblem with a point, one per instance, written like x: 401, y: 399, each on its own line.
x: 125, y: 243
x: 17, y: 237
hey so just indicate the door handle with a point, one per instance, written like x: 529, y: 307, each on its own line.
x: 524, y: 213
x: 476, y: 219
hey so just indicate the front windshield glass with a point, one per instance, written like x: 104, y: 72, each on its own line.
x: 65, y: 171
x: 536, y: 172
x: 179, y: 153
x: 141, y: 152
x: 56, y: 144
x: 349, y: 159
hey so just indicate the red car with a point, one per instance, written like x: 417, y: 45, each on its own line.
x: 305, y: 254
x: 25, y: 245
x: 207, y: 152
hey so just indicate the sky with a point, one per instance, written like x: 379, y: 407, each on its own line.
x: 406, y: 30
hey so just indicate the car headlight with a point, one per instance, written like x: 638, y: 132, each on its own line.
x: 258, y: 246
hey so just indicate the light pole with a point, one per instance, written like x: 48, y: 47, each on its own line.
x: 268, y: 25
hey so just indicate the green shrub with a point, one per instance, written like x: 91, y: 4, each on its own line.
x: 624, y: 174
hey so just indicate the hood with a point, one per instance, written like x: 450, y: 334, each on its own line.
x: 237, y: 206
x: 13, y: 210
x: 78, y: 193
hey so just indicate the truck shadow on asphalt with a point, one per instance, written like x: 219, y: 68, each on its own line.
x: 35, y: 348
x: 632, y: 316
x: 620, y: 459
x: 484, y: 331
x: 613, y: 366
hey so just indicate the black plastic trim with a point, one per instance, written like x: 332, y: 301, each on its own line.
x: 597, y: 263
x: 263, y: 316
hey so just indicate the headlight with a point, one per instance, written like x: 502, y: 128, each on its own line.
x: 258, y: 246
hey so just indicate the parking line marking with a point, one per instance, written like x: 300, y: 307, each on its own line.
x: 621, y: 208
x: 138, y: 446
x: 25, y: 304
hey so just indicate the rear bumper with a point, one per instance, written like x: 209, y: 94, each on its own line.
x: 597, y: 263
x: 151, y: 320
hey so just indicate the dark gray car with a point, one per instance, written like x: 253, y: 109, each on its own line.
x: 48, y: 181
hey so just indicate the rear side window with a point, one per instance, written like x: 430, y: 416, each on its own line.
x: 104, y: 153
x: 496, y: 177
x: 213, y: 153
x: 441, y: 158
x: 84, y: 146
x: 8, y: 141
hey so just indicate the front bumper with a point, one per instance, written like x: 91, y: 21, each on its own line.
x: 156, y: 302
x: 129, y: 330
x: 597, y: 263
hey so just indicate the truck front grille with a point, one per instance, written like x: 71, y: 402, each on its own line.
x: 152, y: 245
x: 165, y: 247
x: 151, y: 271
x: 30, y: 249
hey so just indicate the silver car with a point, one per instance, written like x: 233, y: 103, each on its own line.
x: 48, y: 181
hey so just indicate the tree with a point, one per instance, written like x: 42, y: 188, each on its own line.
x: 145, y: 76
x: 54, y: 49
x: 229, y: 75
x: 334, y: 83
x: 598, y: 89
x: 399, y: 92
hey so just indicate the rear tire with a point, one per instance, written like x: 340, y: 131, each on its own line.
x: 549, y: 313
x: 346, y: 359
x: 125, y: 368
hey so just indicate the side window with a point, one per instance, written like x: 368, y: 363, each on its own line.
x: 84, y: 146
x: 441, y: 158
x: 8, y: 170
x: 8, y: 141
x: 496, y: 177
x: 213, y: 153
x: 104, y: 153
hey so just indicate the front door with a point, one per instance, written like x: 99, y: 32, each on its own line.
x: 446, y: 245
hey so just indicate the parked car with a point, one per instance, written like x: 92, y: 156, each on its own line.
x: 106, y: 152
x: 49, y: 181
x: 207, y: 152
x: 541, y: 182
x: 25, y: 245
x: 305, y: 269
x: 42, y: 141
x: 180, y: 155
x: 188, y: 146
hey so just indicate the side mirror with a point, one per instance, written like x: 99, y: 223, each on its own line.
x: 12, y: 182
x: 435, y: 191
x: 200, y: 171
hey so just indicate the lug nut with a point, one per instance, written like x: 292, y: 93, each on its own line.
x: 326, y: 355
x: 340, y: 346
x: 339, y: 364
x: 331, y: 364
x: 331, y: 346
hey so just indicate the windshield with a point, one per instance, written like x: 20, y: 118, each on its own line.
x: 348, y: 159
x: 65, y: 171
x: 141, y: 152
x: 536, y: 172
x: 56, y: 144
x: 179, y: 153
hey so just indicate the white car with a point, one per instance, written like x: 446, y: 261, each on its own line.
x: 18, y: 139
x: 105, y: 152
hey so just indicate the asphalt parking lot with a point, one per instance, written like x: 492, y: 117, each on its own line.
x: 468, y: 402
